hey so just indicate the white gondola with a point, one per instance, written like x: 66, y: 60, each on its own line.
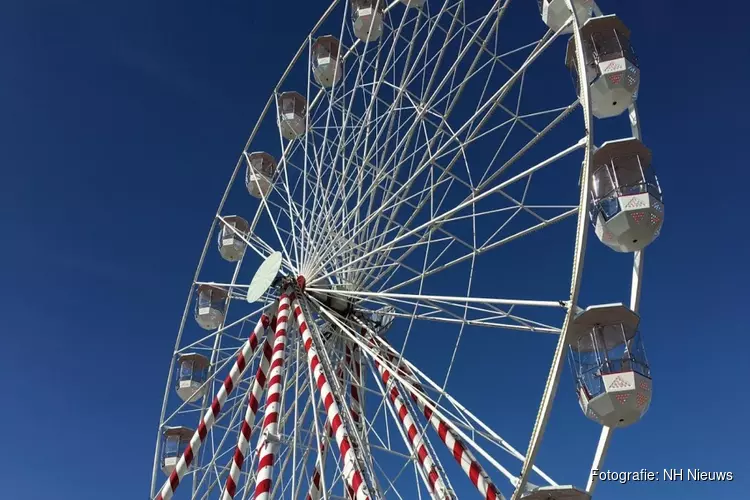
x: 611, y: 65
x: 231, y: 246
x: 556, y: 493
x: 555, y: 13
x: 174, y: 442
x: 613, y: 379
x: 326, y: 63
x: 367, y: 16
x: 626, y: 201
x: 260, y: 174
x: 210, y: 306
x: 292, y: 115
x: 413, y: 4
x: 192, y: 376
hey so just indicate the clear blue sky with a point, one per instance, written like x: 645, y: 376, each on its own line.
x: 119, y: 125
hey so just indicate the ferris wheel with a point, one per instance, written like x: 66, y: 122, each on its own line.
x: 414, y: 199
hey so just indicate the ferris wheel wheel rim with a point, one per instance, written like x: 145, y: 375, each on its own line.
x: 260, y: 119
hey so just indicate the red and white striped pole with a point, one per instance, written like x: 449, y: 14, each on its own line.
x: 437, y: 485
x: 469, y: 464
x: 315, y: 491
x: 253, y: 402
x: 351, y: 472
x: 355, y: 403
x: 230, y: 382
x: 269, y: 445
x: 352, y: 360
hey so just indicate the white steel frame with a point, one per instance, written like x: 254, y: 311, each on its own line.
x: 371, y: 261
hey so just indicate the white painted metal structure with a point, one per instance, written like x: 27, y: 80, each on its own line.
x: 406, y: 195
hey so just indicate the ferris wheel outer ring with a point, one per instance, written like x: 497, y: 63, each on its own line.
x: 553, y: 379
x: 417, y: 400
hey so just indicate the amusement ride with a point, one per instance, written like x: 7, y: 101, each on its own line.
x: 419, y: 187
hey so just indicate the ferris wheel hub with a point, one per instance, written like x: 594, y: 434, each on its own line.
x: 301, y: 282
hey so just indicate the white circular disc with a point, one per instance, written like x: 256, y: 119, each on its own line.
x: 264, y: 277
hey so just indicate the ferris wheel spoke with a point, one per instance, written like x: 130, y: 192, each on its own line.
x: 349, y: 241
x: 347, y: 115
x: 499, y: 188
x: 404, y: 425
x: 444, y: 299
x: 407, y: 201
x: 373, y: 353
x: 365, y: 243
x: 488, y: 106
x: 264, y: 204
x: 409, y: 134
x: 406, y: 375
x: 345, y: 200
x: 428, y: 469
x: 445, y: 216
x: 443, y: 121
x: 487, y: 179
x: 500, y: 191
x: 434, y: 308
x: 492, y: 246
x: 412, y: 372
x: 371, y: 278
